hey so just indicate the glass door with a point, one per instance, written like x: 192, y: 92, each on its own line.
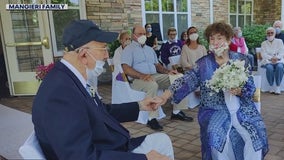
x: 26, y: 37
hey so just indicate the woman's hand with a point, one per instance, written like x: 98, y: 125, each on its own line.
x: 236, y: 91
x: 165, y: 96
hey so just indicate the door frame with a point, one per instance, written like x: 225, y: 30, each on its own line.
x: 22, y: 83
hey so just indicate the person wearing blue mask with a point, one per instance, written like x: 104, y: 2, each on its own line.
x: 71, y: 122
x: 277, y: 25
x: 152, y: 39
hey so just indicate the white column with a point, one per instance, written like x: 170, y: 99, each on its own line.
x: 282, y: 13
x: 211, y: 9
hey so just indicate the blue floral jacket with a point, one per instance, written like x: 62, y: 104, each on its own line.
x: 214, y: 117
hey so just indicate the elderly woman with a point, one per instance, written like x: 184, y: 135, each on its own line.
x: 238, y: 44
x: 225, y: 134
x: 272, y: 52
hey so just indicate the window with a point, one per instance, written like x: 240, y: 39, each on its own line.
x: 59, y: 19
x: 241, y: 12
x: 168, y: 13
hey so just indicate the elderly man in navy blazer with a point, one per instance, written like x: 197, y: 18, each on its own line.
x: 71, y: 124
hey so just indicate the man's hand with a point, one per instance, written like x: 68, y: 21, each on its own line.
x: 147, y: 77
x: 154, y: 155
x: 172, y: 72
x: 149, y: 104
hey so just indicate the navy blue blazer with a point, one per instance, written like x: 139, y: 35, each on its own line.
x: 70, y: 125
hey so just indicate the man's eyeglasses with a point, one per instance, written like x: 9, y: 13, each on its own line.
x: 268, y: 33
x: 106, y: 49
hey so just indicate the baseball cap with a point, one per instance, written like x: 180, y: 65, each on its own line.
x: 80, y: 32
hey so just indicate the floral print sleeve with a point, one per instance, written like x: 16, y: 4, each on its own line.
x: 248, y: 89
x: 185, y: 85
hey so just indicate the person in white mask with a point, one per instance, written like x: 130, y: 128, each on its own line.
x: 93, y: 76
x: 224, y: 134
x: 71, y: 123
x: 140, y: 63
x: 272, y: 53
x: 172, y: 47
x: 192, y: 50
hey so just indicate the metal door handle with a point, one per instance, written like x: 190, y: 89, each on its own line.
x: 44, y: 42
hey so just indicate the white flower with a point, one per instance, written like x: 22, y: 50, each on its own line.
x: 228, y: 76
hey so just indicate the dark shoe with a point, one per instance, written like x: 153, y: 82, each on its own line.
x: 154, y: 124
x: 181, y: 116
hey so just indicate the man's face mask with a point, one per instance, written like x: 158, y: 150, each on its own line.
x: 142, y: 39
x: 278, y: 30
x: 97, y: 70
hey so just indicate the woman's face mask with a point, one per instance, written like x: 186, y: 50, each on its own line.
x: 218, y: 50
x: 193, y: 36
x: 240, y: 34
x: 149, y: 29
x: 127, y: 42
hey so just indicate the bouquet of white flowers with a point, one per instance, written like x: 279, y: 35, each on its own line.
x: 228, y: 76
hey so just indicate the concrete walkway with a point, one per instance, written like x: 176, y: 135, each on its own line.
x: 15, y: 127
x: 184, y: 135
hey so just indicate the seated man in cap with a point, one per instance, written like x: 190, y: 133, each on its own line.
x: 71, y: 124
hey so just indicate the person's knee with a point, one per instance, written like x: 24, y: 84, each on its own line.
x: 163, y: 138
x: 279, y: 66
x: 152, y: 86
x: 269, y: 68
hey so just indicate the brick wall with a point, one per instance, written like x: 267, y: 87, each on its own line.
x: 267, y: 11
x: 114, y: 15
x: 200, y: 13
x: 117, y: 15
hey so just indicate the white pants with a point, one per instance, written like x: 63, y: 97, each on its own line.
x: 228, y: 154
x: 159, y: 142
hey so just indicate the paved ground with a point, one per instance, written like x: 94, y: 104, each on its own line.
x: 185, y: 135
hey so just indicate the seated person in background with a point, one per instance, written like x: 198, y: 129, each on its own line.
x: 152, y: 39
x: 71, y: 124
x: 277, y: 25
x: 272, y: 52
x: 124, y: 39
x: 183, y: 37
x: 140, y: 62
x: 171, y: 48
x: 226, y: 134
x: 192, y: 50
x: 238, y: 44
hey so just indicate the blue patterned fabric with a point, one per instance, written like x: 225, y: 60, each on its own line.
x: 214, y: 117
